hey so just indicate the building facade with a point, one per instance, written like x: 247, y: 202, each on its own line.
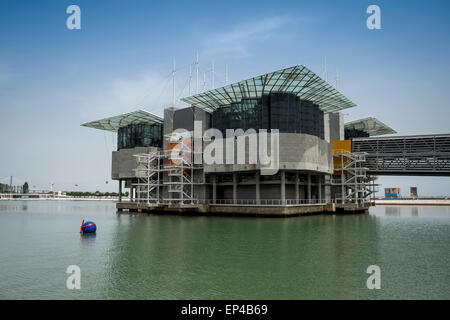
x: 155, y: 155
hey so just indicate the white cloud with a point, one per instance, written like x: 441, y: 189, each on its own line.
x: 241, y: 37
x: 151, y: 92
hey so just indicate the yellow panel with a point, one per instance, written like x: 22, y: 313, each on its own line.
x: 342, y: 145
x: 339, y: 147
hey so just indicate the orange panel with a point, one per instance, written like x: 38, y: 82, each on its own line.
x: 341, y: 146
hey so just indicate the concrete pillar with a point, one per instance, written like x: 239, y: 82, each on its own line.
x: 308, y: 188
x: 214, y: 183
x: 120, y: 190
x: 319, y: 187
x: 258, y: 185
x: 283, y: 187
x: 297, y: 187
x: 234, y: 187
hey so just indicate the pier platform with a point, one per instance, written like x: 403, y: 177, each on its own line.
x: 242, y: 210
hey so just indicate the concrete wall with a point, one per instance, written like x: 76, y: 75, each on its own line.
x: 168, y: 119
x: 297, y: 151
x: 184, y: 119
x: 333, y: 126
x: 123, y: 162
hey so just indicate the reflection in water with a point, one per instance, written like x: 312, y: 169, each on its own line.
x: 392, y: 211
x: 177, y: 257
x: 141, y: 256
x: 88, y: 239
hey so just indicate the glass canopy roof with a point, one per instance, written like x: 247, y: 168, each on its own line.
x: 116, y: 122
x: 298, y: 80
x: 372, y: 126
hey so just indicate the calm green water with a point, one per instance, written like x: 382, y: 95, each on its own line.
x: 140, y: 256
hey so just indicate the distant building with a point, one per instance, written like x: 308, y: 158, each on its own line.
x: 392, y: 193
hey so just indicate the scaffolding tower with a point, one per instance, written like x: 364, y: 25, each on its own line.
x: 148, y: 177
x: 350, y: 175
x: 179, y: 167
x: 166, y: 176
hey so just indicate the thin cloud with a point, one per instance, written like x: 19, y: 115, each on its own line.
x: 241, y: 37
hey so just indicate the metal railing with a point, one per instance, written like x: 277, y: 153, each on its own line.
x: 248, y: 202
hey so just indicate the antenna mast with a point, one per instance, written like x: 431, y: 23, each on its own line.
x: 325, y: 75
x: 173, y: 82
x: 190, y: 77
x: 204, y: 81
x: 196, y: 70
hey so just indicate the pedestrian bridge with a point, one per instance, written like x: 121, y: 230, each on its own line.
x: 421, y: 155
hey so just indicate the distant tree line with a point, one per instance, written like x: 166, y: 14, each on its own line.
x: 95, y: 194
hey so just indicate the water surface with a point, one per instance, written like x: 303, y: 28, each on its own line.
x: 140, y: 256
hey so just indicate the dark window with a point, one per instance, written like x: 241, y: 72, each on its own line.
x: 353, y: 133
x: 140, y: 135
x: 282, y: 111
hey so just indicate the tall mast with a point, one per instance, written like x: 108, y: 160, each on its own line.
x: 190, y: 78
x: 204, y: 81
x: 325, y: 76
x: 196, y: 70
x: 173, y: 82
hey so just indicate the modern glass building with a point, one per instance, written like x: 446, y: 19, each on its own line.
x: 134, y: 129
x: 300, y: 105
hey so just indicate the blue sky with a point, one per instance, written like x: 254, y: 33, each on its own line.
x: 53, y: 79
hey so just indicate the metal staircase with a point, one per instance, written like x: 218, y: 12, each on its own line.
x: 180, y: 173
x: 148, y: 177
x: 351, y: 176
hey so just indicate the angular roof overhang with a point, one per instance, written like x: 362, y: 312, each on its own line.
x: 372, y: 126
x: 123, y: 120
x: 298, y: 80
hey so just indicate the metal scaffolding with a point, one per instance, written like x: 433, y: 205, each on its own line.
x: 166, y: 176
x: 351, y: 176
x: 148, y: 177
x: 179, y: 167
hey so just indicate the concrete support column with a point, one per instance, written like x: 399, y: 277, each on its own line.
x: 297, y: 187
x: 234, y: 187
x: 120, y: 190
x: 283, y: 187
x: 319, y: 187
x: 214, y: 184
x: 257, y: 185
x: 308, y: 188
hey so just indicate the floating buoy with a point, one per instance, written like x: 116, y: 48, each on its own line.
x: 88, y: 227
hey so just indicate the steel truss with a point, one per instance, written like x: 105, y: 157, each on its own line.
x: 406, y: 155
